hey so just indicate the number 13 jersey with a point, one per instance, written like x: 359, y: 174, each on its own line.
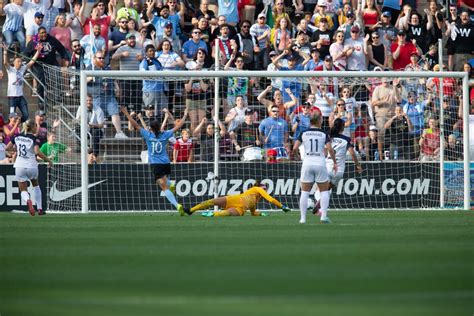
x: 25, y: 150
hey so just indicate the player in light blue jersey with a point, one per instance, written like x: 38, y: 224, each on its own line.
x: 157, y: 154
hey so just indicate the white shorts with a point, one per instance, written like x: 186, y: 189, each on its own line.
x: 25, y: 174
x: 335, y: 177
x: 311, y: 173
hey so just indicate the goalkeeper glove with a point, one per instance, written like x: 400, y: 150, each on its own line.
x: 285, y: 209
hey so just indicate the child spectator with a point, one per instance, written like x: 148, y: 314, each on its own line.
x: 52, y: 149
x: 183, y: 148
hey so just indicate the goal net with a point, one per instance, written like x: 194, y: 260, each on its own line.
x: 406, y: 129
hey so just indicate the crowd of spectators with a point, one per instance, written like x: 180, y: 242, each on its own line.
x: 386, y: 118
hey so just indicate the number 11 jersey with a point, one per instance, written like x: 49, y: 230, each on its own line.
x: 314, y: 140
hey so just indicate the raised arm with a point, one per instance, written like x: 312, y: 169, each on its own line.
x: 130, y: 119
x: 181, y: 121
x: 261, y: 97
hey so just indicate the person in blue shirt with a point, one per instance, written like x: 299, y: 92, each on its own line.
x: 153, y: 90
x: 415, y: 112
x: 158, y: 155
x: 273, y: 130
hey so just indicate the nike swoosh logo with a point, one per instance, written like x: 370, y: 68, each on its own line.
x: 56, y: 195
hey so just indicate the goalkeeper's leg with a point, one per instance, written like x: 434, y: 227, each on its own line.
x: 221, y: 202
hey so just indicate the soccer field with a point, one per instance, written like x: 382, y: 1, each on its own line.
x: 366, y: 263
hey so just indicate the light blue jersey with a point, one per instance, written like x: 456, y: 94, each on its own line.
x: 157, y: 153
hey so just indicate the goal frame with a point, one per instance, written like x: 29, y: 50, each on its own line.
x: 295, y: 74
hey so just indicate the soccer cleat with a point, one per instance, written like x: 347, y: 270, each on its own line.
x: 188, y: 211
x: 302, y: 221
x: 180, y: 210
x: 207, y: 214
x: 173, y: 187
x: 285, y: 209
x: 41, y: 212
x: 325, y: 221
x: 316, y: 208
x: 30, y: 207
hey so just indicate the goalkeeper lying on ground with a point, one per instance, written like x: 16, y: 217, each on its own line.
x: 236, y: 205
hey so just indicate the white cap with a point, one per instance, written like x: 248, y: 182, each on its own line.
x: 373, y: 128
x: 322, y: 3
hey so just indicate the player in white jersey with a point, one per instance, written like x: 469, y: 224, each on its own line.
x: 315, y: 141
x: 341, y: 144
x: 26, y: 166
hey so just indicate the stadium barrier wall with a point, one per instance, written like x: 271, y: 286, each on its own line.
x: 378, y: 187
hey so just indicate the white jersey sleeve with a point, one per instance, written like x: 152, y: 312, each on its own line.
x: 314, y: 140
x: 25, y: 150
x: 340, y: 144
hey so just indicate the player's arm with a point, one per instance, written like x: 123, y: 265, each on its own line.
x: 40, y: 154
x: 268, y: 197
x: 331, y: 152
x: 130, y: 119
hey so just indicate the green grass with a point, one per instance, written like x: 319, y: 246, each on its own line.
x: 366, y: 263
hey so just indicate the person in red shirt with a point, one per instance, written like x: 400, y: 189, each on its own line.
x: 402, y: 50
x: 97, y: 19
x: 183, y: 148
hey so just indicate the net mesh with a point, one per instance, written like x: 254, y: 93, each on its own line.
x: 394, y: 125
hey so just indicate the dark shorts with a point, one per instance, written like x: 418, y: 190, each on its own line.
x: 161, y: 170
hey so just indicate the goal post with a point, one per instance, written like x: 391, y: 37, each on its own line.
x: 281, y: 170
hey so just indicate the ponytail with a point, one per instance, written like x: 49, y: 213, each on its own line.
x: 28, y: 126
x: 336, y: 128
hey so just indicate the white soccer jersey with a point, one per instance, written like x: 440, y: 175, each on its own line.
x: 314, y: 140
x: 340, y: 144
x: 25, y: 150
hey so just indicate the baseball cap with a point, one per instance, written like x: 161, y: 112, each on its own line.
x: 387, y: 14
x: 355, y: 28
x: 307, y: 104
x: 328, y: 58
x: 40, y: 113
x: 322, y: 3
x: 130, y: 35
x: 401, y: 32
x: 373, y: 128
x: 39, y: 15
x: 272, y: 53
x: 248, y: 111
x: 262, y: 15
x: 301, y: 32
x: 13, y: 115
x: 414, y: 53
x: 314, y: 49
x: 291, y: 57
x: 168, y: 24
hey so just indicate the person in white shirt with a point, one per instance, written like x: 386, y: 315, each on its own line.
x: 95, y: 124
x: 26, y: 166
x: 356, y: 48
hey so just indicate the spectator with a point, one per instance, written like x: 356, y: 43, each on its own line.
x: 315, y: 61
x: 117, y: 37
x: 42, y: 127
x: 159, y: 22
x: 204, y: 12
x: 402, y: 50
x: 430, y: 142
x: 261, y: 31
x: 431, y: 57
x: 236, y: 115
x: 300, y: 121
x: 403, y: 18
x: 372, y: 150
x: 320, y: 13
x: 4, y: 155
x: 153, y: 90
x: 33, y: 28
x: 30, y: 9
x: 415, y: 112
x: 332, y: 83
x: 449, y: 84
x: 338, y: 51
x: 95, y: 124
x: 246, y: 43
x: 324, y: 101
x: 128, y: 12
x: 15, y: 93
x: 237, y: 86
x: 190, y: 48
x: 50, y: 47
x: 414, y: 84
x: 102, y: 91
x: 303, y: 27
x: 453, y: 19
x: 387, y: 33
x: 462, y: 35
x: 280, y: 37
x: 341, y: 113
x: 349, y: 23
x: 228, y: 8
x: 170, y: 61
x: 227, y: 48
x: 356, y: 50
x: 370, y: 16
x: 321, y: 38
x: 246, y: 134
x: 206, y: 139
x: 168, y: 35
x: 417, y: 32
x: 437, y: 20
x: 13, y: 26
x: 76, y: 64
x: 52, y: 149
x: 278, y: 12
x: 97, y: 18
x: 450, y: 110
x: 274, y: 130
x: 183, y: 149
x: 393, y: 7
x: 361, y: 130
x: 454, y: 149
x: 61, y: 32
x: 384, y: 99
x: 196, y: 98
x: 74, y: 23
x: 377, y: 53
x: 12, y: 128
x: 177, y: 18
x: 301, y: 44
x: 50, y: 14
x: 204, y: 27
x: 398, y: 135
x: 130, y: 57
x: 216, y: 32
x: 93, y: 43
x: 276, y: 83
x: 133, y: 28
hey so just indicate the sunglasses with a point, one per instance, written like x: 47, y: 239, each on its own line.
x: 239, y: 61
x: 274, y: 111
x: 196, y: 32
x: 76, y: 46
x: 375, y: 37
x: 354, y: 31
x: 245, y: 26
x: 39, y: 17
x: 100, y: 58
x: 123, y: 22
x: 341, y: 104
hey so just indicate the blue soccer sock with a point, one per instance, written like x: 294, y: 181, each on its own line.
x: 170, y: 196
